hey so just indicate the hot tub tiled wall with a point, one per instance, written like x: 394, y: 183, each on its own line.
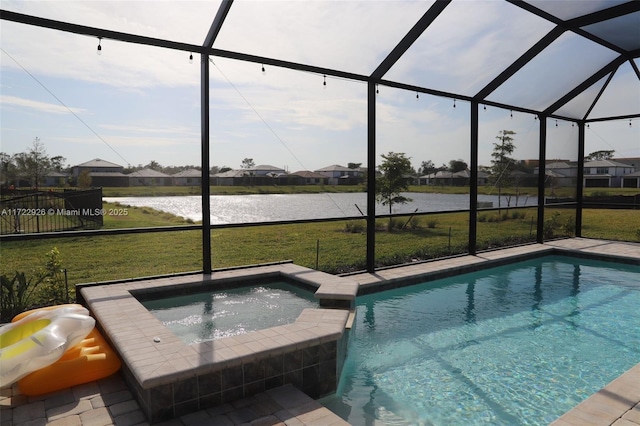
x: 171, y: 378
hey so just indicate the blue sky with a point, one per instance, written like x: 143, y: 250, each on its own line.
x: 134, y: 104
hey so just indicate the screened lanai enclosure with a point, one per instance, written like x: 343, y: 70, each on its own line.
x: 304, y: 85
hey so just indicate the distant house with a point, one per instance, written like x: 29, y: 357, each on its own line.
x: 605, y: 173
x: 190, y: 177
x: 109, y: 179
x: 264, y: 170
x: 340, y: 175
x: 258, y: 175
x: 559, y: 173
x: 55, y: 178
x: 228, y: 178
x: 631, y: 180
x: 96, y: 165
x: 523, y: 179
x: 461, y: 178
x: 631, y: 161
x: 441, y: 177
x: 310, y: 178
x: 149, y: 177
x: 102, y: 173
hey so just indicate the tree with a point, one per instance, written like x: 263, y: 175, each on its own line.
x: 154, y: 165
x: 246, y: 165
x: 501, y: 164
x: 84, y: 179
x: 393, y: 179
x: 600, y: 155
x: 427, y: 167
x: 458, y: 165
x: 353, y: 165
x: 34, y: 164
x: 8, y: 171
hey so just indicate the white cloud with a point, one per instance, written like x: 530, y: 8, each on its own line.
x: 152, y: 129
x: 38, y: 106
x: 134, y: 106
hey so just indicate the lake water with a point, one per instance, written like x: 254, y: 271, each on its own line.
x: 274, y: 207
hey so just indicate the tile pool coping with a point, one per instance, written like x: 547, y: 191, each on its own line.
x: 156, y: 356
x: 170, y: 378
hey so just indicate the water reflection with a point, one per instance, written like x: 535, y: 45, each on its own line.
x: 274, y: 207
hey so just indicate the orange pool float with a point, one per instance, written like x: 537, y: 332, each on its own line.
x: 91, y: 359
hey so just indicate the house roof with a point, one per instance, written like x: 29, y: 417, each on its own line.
x: 97, y: 163
x: 605, y: 163
x: 266, y: 167
x: 108, y: 174
x: 188, y: 174
x: 148, y: 173
x: 558, y: 165
x: 230, y: 174
x: 334, y: 168
x: 309, y: 174
x: 633, y: 161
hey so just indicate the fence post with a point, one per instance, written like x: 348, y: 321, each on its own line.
x: 37, y: 216
x: 317, y: 253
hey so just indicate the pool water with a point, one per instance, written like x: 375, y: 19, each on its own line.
x: 520, y: 344
x: 212, y: 315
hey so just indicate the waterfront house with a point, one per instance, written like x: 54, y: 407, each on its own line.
x: 101, y: 172
x: 149, y: 177
x: 189, y: 177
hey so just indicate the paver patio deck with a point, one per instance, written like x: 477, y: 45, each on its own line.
x: 109, y: 401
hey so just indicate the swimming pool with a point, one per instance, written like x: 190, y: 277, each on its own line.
x: 519, y: 344
x: 213, y: 315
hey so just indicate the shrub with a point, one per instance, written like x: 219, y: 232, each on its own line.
x: 54, y: 290
x: 432, y: 223
x: 493, y: 218
x: 16, y: 294
x: 482, y: 218
x: 395, y: 223
x: 354, y: 226
x: 569, y: 226
x: 46, y: 286
x: 550, y: 225
x: 415, y: 223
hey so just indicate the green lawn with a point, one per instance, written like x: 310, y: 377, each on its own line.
x: 329, y: 244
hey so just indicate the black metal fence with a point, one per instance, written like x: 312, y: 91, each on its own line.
x: 33, y: 211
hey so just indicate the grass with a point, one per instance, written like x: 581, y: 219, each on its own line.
x: 332, y: 246
x: 125, y: 216
x: 621, y: 225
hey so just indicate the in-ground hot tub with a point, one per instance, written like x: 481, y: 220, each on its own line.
x: 171, y: 378
x: 226, y: 312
